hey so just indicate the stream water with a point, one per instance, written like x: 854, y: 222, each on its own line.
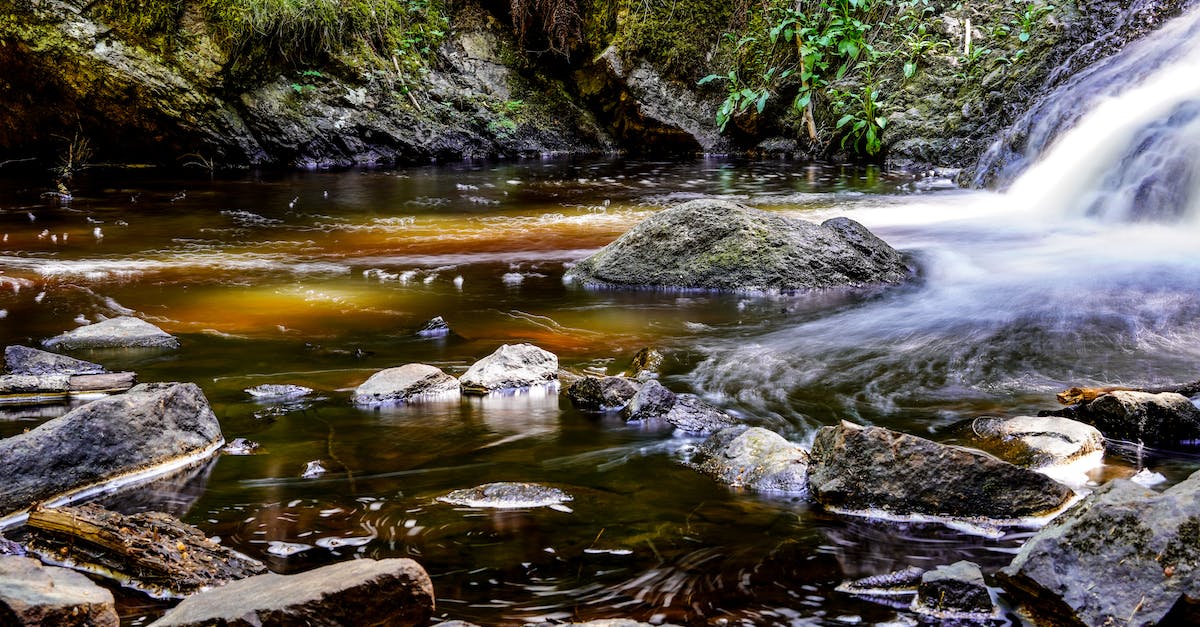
x: 320, y: 279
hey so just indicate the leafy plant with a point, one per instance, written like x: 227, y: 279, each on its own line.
x: 918, y: 44
x: 861, y: 123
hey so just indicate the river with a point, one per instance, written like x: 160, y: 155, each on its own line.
x: 321, y: 278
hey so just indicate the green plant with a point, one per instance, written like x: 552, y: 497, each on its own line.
x: 861, y: 123
x: 1029, y: 19
x: 918, y: 43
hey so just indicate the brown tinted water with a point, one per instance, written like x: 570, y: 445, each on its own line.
x: 320, y: 279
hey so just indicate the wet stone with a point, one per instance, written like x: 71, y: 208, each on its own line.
x: 897, y: 583
x: 647, y: 363
x: 34, y: 595
x: 277, y: 392
x: 436, y: 327
x: 31, y: 361
x: 512, y: 366
x: 954, y: 592
x: 508, y: 495
x: 1037, y: 442
x: 404, y: 384
x: 123, y: 332
x: 652, y: 401
x: 755, y: 458
x: 597, y: 394
x: 1165, y: 419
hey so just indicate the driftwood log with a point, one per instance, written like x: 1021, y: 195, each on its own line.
x: 20, y: 389
x: 1074, y: 396
x: 151, y: 551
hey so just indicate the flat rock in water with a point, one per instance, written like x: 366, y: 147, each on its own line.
x: 151, y: 425
x: 512, y: 366
x: 598, y: 394
x: 897, y: 583
x: 406, y: 383
x: 756, y: 458
x: 31, y: 361
x: 1037, y: 442
x: 34, y: 595
x: 866, y: 469
x: 1125, y: 555
x: 278, y: 392
x: 436, y: 327
x: 508, y: 495
x: 955, y: 592
x: 123, y: 332
x: 1164, y: 419
x: 393, y: 592
x: 715, y: 244
x: 150, y: 551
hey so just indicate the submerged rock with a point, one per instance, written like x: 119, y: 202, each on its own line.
x: 512, y: 366
x: 955, y: 592
x: 312, y: 470
x: 871, y: 468
x: 36, y: 595
x: 1125, y: 555
x: 898, y: 583
x: 277, y: 392
x: 31, y: 361
x: 1037, y: 442
x: 715, y: 244
x: 356, y: 592
x: 508, y: 495
x: 436, y: 327
x: 150, y: 426
x: 755, y: 458
x: 240, y: 446
x: 1165, y: 419
x: 123, y: 332
x: 602, y: 394
x: 404, y: 384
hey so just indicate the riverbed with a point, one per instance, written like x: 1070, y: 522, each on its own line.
x: 322, y: 278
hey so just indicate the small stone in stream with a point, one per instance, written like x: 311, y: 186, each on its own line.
x: 240, y: 446
x: 955, y: 592
x: 512, y: 366
x: 508, y: 495
x: 34, y: 595
x: 436, y: 327
x: 755, y: 458
x: 897, y: 583
x: 122, y: 332
x: 404, y: 384
x: 286, y: 549
x: 312, y: 470
x: 692, y: 414
x: 601, y: 394
x: 1037, y: 442
x: 652, y: 401
x: 24, y: 360
x: 274, y: 392
x: 393, y: 592
x: 1164, y: 419
x: 646, y: 363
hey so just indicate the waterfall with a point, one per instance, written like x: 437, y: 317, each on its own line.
x: 1119, y: 142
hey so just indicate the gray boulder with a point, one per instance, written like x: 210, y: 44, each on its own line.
x: 866, y: 468
x: 31, y: 361
x: 1125, y: 555
x: 36, y: 595
x: 597, y: 394
x: 357, y: 592
x: 151, y: 425
x: 1164, y: 419
x: 123, y: 332
x: 512, y: 366
x: 753, y: 457
x: 646, y: 363
x: 715, y: 244
x: 686, y: 412
x: 406, y: 383
x: 1036, y: 442
x: 955, y: 592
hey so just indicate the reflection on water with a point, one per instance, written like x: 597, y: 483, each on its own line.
x: 320, y: 279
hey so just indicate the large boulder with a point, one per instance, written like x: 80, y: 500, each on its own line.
x: 755, y: 458
x: 1164, y: 419
x: 1125, y: 555
x: 715, y: 244
x: 512, y: 366
x: 406, y: 383
x: 31, y: 361
x: 1037, y: 442
x: 596, y: 394
x: 36, y: 595
x: 357, y: 592
x: 871, y: 468
x: 152, y: 426
x: 123, y: 332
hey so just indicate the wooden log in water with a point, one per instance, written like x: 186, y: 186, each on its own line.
x: 150, y: 551
x: 22, y: 389
x: 1074, y: 396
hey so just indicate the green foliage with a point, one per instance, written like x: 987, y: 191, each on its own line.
x: 861, y: 124
x: 148, y: 22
